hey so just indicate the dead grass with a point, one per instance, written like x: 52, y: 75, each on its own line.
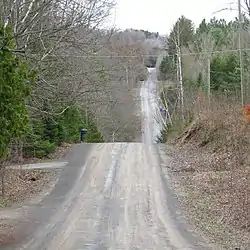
x: 212, y: 170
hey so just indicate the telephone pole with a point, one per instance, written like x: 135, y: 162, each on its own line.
x: 208, y: 80
x: 240, y: 52
x: 127, y: 78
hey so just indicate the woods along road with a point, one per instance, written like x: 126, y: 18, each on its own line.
x: 112, y: 196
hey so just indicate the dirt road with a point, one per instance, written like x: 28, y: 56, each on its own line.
x: 119, y: 199
x: 150, y: 110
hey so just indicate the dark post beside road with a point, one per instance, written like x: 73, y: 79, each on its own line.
x: 83, y: 133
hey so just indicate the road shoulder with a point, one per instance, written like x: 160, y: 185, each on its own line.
x: 174, y: 197
x: 201, y: 194
x: 23, y: 219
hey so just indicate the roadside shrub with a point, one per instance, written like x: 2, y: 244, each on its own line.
x: 46, y: 133
x: 40, y: 149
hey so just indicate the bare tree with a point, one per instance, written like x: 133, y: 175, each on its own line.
x: 78, y: 60
x: 175, y: 38
x: 122, y: 60
x: 51, y: 33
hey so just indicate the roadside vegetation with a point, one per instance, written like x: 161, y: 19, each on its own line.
x: 60, y: 76
x: 206, y: 90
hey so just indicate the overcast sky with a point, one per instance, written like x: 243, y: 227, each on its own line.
x: 160, y: 15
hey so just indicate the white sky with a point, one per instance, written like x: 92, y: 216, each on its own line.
x: 160, y: 15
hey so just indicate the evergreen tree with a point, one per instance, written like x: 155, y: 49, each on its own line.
x: 15, y: 81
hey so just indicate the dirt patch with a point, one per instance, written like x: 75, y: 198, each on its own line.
x: 6, y: 233
x: 22, y: 185
x: 25, y: 187
x: 212, y: 191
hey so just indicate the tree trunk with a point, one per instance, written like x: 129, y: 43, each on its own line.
x: 181, y: 93
x: 2, y: 170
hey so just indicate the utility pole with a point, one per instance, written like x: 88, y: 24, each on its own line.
x: 208, y: 80
x: 86, y: 116
x: 240, y: 52
x: 127, y: 79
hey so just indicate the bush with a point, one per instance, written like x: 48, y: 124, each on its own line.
x: 47, y: 132
x: 40, y: 149
x: 225, y: 73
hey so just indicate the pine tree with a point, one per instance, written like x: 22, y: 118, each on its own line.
x: 15, y: 81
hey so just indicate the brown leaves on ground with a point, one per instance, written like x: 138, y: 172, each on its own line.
x: 215, y: 192
x: 21, y: 185
x: 211, y: 169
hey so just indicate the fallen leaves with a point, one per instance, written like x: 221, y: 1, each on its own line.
x: 20, y: 186
x: 216, y: 193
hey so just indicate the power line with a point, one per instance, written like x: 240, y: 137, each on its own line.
x: 140, y: 56
x: 99, y: 56
x: 215, y: 52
